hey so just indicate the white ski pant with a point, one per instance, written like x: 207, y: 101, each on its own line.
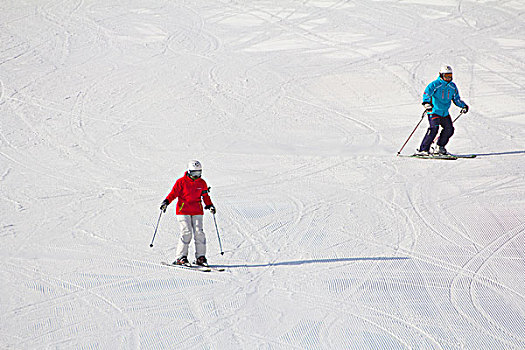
x: 191, y: 225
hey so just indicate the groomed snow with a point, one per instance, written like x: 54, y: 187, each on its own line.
x: 296, y: 110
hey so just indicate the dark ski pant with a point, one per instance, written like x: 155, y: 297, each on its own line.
x: 435, y: 122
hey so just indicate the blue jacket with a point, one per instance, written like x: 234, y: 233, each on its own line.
x: 440, y: 94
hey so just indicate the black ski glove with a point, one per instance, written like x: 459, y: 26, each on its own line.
x: 428, y: 107
x: 464, y: 110
x: 164, y: 205
x: 211, y: 207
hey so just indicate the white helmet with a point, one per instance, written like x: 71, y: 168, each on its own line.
x: 194, y: 165
x: 445, y: 70
x: 194, y: 168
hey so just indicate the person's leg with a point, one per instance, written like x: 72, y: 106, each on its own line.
x: 186, y: 232
x: 200, y: 237
x: 447, y: 132
x: 431, y: 132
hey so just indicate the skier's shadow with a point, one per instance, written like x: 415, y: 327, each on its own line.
x: 316, y: 261
x: 499, y: 153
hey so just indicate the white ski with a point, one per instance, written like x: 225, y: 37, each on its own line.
x: 469, y: 156
x: 431, y: 156
x: 189, y: 267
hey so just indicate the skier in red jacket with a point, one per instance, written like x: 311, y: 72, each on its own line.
x: 190, y: 190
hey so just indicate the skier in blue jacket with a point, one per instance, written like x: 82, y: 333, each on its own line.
x: 437, y: 98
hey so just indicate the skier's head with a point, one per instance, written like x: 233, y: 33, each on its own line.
x: 194, y: 169
x: 445, y: 73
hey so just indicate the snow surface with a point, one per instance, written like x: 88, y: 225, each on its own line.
x: 297, y: 110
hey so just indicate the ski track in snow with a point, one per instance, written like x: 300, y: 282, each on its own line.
x: 296, y: 111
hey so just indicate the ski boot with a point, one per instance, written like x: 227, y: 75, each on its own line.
x: 442, y: 151
x: 202, y: 261
x: 421, y: 153
x: 182, y: 261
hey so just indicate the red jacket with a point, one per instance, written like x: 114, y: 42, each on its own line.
x: 189, y: 192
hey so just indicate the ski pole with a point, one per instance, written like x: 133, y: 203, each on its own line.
x: 417, y: 126
x: 218, y: 236
x: 156, y: 227
x: 460, y: 113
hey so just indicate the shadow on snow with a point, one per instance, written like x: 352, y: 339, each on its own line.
x: 315, y: 261
x: 498, y: 153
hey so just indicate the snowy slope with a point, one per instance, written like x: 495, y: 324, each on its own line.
x: 296, y: 110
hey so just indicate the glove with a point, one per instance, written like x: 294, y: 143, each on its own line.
x: 464, y: 109
x: 428, y: 107
x: 164, y: 205
x: 211, y: 207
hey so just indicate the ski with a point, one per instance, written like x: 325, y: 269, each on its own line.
x: 195, y: 267
x: 213, y: 268
x: 431, y: 156
x: 468, y: 156
x: 218, y: 269
x: 189, y: 267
